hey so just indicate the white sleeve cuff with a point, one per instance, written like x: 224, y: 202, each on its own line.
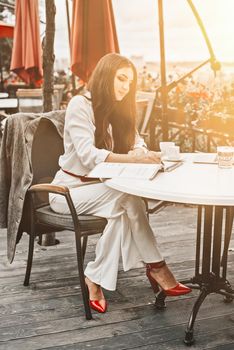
x: 101, y: 156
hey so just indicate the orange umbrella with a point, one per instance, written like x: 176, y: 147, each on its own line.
x: 26, y: 60
x: 93, y: 35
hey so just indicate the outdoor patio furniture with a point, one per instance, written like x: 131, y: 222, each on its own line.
x: 31, y: 100
x: 3, y: 94
x: 11, y: 88
x: 148, y: 97
x: 196, y: 184
x: 47, y: 147
x: 145, y: 104
x: 8, y: 105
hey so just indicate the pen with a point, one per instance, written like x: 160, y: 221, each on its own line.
x: 171, y: 167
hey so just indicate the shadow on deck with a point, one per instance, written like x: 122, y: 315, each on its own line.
x: 49, y: 313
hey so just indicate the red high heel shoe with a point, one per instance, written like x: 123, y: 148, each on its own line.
x: 95, y: 304
x: 179, y: 289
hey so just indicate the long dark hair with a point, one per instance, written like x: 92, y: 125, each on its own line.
x: 120, y: 114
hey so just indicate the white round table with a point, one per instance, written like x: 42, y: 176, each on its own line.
x: 212, y: 189
x: 190, y: 183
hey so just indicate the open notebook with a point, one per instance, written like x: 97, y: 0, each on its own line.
x: 107, y: 170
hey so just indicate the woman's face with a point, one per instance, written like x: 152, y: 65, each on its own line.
x: 122, y: 81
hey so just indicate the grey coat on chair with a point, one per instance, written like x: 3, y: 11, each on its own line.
x: 16, y: 174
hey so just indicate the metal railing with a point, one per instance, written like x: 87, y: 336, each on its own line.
x: 189, y: 137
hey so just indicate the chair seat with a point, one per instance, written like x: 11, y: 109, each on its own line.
x: 45, y: 215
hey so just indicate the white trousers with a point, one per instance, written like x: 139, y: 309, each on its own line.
x: 127, y: 233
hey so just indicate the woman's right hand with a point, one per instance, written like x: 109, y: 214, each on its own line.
x: 149, y: 157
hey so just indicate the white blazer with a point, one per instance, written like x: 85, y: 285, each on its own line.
x: 80, y: 154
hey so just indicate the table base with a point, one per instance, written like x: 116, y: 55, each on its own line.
x: 214, y: 229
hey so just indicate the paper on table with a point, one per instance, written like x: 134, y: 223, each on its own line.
x: 206, y: 158
x: 107, y: 170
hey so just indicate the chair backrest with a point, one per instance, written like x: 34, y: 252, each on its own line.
x: 173, y: 114
x: 46, y: 149
x: 148, y: 97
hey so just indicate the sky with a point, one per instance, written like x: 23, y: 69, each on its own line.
x: 137, y: 29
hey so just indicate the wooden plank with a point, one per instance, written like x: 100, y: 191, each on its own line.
x: 169, y: 339
x: 120, y: 306
x: 50, y: 314
x: 133, y: 334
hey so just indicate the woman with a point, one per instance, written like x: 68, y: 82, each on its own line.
x: 100, y: 126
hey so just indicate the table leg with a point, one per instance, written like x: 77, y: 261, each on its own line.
x: 217, y: 223
x: 188, y: 339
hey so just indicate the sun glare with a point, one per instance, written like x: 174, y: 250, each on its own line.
x: 137, y: 28
x: 218, y: 18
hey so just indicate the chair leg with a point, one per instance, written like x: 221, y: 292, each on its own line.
x: 40, y: 239
x: 84, y: 290
x: 84, y: 246
x: 29, y: 261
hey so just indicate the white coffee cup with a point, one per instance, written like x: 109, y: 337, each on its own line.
x: 173, y: 153
x: 164, y: 146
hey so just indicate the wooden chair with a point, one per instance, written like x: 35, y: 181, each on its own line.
x: 47, y: 147
x: 146, y: 98
x: 145, y: 101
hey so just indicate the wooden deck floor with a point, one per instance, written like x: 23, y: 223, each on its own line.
x: 49, y: 313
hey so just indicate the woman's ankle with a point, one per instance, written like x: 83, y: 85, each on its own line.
x: 164, y: 277
x: 155, y: 265
x: 89, y: 282
x: 95, y: 290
